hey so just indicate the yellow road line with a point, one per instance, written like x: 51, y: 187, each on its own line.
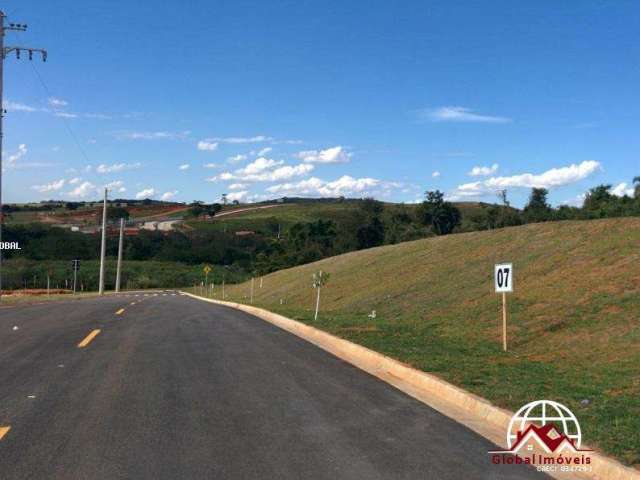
x: 4, y: 431
x: 88, y: 339
x: 119, y: 312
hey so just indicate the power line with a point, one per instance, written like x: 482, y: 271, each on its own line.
x: 64, y: 120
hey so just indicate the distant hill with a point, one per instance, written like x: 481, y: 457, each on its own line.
x: 266, y: 218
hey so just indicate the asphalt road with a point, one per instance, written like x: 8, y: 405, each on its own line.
x: 174, y: 388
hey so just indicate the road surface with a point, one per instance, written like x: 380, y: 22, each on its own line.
x: 174, y: 388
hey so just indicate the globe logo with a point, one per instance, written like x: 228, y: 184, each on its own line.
x: 544, y: 412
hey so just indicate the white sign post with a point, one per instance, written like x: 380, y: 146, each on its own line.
x: 503, y: 281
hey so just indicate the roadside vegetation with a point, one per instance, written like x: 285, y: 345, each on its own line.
x: 21, y: 274
x: 573, y: 331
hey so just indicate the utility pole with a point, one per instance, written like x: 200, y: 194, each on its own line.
x: 76, y: 266
x: 120, y: 243
x: 502, y: 194
x: 103, y: 245
x: 4, y: 51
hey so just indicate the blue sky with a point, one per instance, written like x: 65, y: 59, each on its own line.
x: 260, y: 99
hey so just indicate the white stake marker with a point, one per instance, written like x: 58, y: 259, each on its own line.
x: 503, y: 282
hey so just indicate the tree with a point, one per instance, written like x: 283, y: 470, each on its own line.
x: 371, y: 235
x: 113, y: 213
x: 598, y: 201
x: 224, y: 199
x: 636, y: 191
x: 443, y: 217
x: 372, y: 207
x: 537, y: 209
x: 213, y: 209
x: 196, y: 209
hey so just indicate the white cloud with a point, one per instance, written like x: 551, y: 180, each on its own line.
x: 50, y: 187
x: 473, y: 189
x: 166, y: 196
x: 75, y: 181
x: 57, y: 102
x: 14, y: 157
x: 345, y: 185
x: 184, y: 166
x: 237, y: 158
x: 207, y: 146
x: 115, y: 186
x: 264, y: 172
x: 211, y: 165
x: 237, y: 186
x: 435, y: 174
x: 330, y: 155
x: 101, y: 116
x: 459, y: 114
x: 146, y: 193
x: 287, y: 172
x: 239, y: 196
x: 621, y: 190
x: 66, y: 115
x: 56, y: 105
x: 259, y: 165
x: 237, y: 140
x: 12, y: 160
x: 264, y: 151
x: 162, y: 135
x: 19, y: 107
x: 83, y: 190
x: 117, y: 167
x: 483, y: 171
x: 555, y: 177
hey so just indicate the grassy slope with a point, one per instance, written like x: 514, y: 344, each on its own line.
x: 286, y: 215
x: 573, y: 320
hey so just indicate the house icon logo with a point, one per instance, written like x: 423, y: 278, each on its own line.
x: 546, y: 434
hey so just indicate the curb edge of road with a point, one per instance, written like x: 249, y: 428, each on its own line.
x: 414, y: 381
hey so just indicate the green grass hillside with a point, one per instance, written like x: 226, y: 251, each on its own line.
x: 574, y: 328
x: 287, y: 214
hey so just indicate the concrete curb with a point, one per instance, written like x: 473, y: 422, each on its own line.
x: 454, y: 402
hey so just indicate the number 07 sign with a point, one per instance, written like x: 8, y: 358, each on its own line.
x: 503, y: 280
x: 503, y: 277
